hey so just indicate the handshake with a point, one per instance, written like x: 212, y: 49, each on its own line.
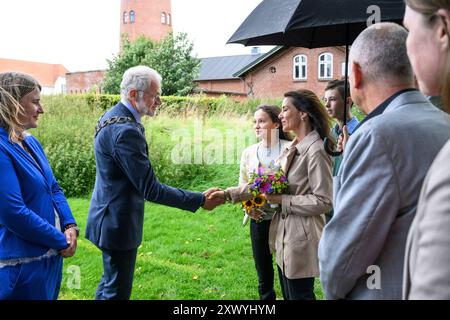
x: 214, y: 197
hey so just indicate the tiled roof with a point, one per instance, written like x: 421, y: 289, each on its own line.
x: 220, y: 68
x: 45, y: 73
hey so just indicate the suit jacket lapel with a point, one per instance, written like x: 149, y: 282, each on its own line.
x: 37, y: 161
x: 27, y: 156
x: 127, y: 113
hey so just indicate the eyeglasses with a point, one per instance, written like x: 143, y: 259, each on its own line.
x: 154, y: 98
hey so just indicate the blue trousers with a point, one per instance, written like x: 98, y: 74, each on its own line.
x: 117, y: 278
x: 38, y: 280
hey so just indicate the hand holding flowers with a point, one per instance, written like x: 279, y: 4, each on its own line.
x: 266, y: 185
x: 270, y: 182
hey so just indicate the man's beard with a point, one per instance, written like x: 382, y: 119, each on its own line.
x: 143, y: 109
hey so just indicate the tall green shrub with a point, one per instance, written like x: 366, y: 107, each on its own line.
x: 172, y: 57
x: 66, y: 131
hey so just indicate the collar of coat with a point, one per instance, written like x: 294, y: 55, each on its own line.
x: 296, y: 149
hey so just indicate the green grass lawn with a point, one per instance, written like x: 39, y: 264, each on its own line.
x: 205, y: 255
x: 198, y: 256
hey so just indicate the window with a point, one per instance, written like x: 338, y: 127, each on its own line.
x: 169, y: 18
x: 163, y: 18
x: 343, y: 69
x: 132, y: 16
x: 300, y: 67
x: 326, y: 66
x: 125, y: 17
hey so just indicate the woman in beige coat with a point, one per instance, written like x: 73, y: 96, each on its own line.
x: 427, y: 257
x: 295, y: 231
x: 298, y: 227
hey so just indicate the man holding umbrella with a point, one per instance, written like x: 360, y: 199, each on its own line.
x: 385, y: 161
x: 339, y: 109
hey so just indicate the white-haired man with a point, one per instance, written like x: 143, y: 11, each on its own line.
x: 125, y: 179
x: 385, y: 161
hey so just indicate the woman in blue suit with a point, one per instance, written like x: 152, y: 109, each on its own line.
x: 37, y: 228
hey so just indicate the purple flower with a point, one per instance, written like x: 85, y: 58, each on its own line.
x: 264, y: 188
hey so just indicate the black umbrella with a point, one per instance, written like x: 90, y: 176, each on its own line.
x: 314, y: 24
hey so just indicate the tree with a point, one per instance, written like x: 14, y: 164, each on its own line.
x: 171, y: 57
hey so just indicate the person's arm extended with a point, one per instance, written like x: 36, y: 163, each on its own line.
x: 241, y: 192
x: 131, y: 156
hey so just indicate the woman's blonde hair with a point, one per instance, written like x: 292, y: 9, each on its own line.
x: 13, y: 87
x: 428, y: 9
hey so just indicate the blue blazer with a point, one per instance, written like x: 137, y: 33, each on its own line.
x: 124, y: 179
x: 29, y: 194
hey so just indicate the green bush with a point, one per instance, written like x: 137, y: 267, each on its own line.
x: 185, y: 106
x: 66, y: 131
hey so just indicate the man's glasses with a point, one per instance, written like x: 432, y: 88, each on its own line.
x: 154, y: 98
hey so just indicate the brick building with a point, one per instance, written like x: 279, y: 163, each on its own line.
x: 50, y: 76
x: 254, y: 75
x: 150, y: 18
x: 273, y: 73
x: 85, y: 81
x: 217, y: 77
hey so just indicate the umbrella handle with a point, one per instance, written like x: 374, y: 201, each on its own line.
x: 328, y: 149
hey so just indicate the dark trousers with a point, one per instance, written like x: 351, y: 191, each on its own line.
x: 259, y: 234
x: 117, y: 278
x: 296, y: 289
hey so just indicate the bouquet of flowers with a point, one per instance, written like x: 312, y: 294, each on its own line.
x: 269, y: 180
x: 252, y: 206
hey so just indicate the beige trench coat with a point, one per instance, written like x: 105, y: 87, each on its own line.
x: 295, y: 231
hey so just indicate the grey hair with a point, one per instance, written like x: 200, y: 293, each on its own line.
x: 138, y: 78
x: 380, y: 50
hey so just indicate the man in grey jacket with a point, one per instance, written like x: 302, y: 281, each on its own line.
x: 385, y: 161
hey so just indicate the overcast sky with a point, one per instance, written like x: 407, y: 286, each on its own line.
x: 82, y: 34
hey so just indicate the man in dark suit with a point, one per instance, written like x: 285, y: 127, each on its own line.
x: 125, y: 179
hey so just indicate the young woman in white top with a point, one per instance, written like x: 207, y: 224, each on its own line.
x: 272, y: 142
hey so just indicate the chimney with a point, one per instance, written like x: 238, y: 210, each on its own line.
x: 256, y: 50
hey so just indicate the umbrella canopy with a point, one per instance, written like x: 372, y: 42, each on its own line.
x: 312, y: 23
x: 315, y: 24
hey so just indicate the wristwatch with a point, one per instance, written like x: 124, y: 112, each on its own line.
x: 74, y: 226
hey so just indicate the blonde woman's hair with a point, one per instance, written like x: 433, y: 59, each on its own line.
x: 13, y: 87
x: 428, y: 9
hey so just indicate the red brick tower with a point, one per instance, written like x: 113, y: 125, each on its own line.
x: 151, y: 18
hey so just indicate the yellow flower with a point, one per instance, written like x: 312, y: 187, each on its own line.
x: 248, y: 205
x: 259, y: 201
